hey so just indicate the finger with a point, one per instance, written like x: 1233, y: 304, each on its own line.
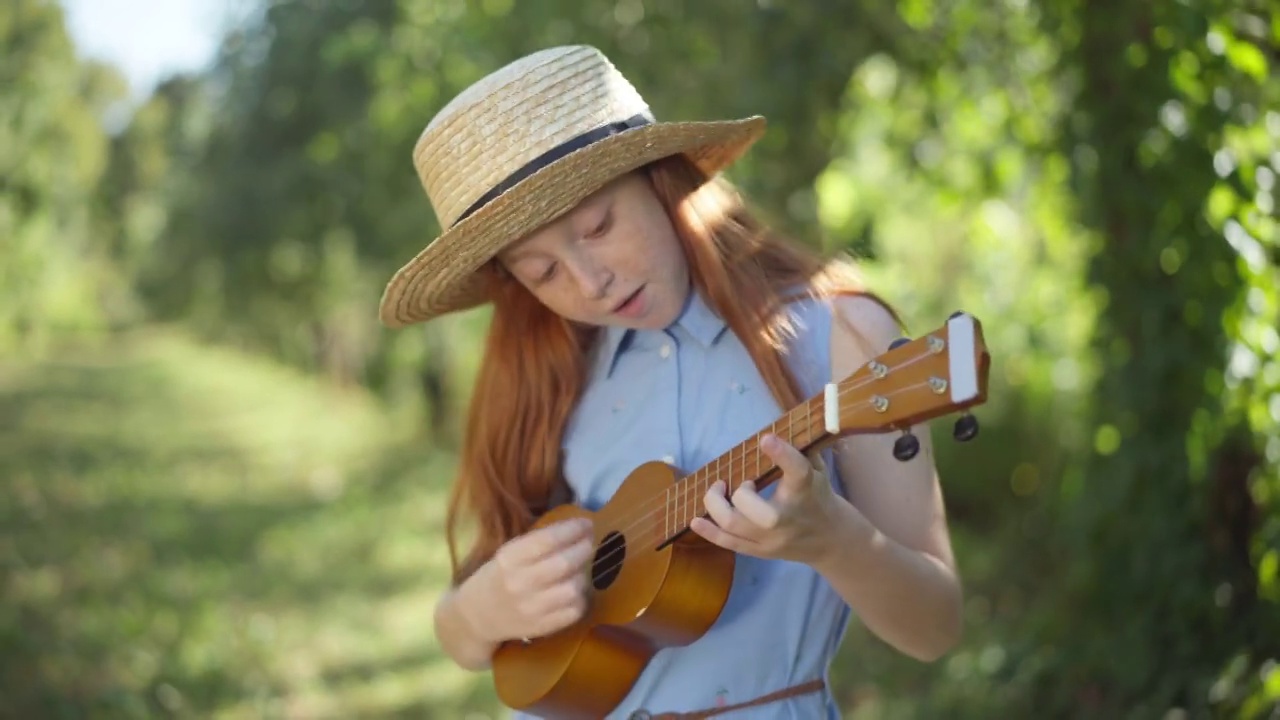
x: 727, y: 516
x: 717, y: 536
x: 559, y: 620
x: 718, y: 507
x: 553, y: 599
x: 582, y: 581
x: 562, y: 565
x: 750, y: 505
x: 819, y: 465
x: 794, y: 465
x: 551, y: 539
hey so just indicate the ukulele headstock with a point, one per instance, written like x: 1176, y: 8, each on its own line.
x: 943, y: 372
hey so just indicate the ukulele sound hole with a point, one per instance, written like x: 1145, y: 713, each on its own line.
x: 608, y: 561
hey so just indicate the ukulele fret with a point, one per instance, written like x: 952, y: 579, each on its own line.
x: 667, y: 515
x: 730, y: 479
x: 677, y: 507
x: 741, y: 470
x: 755, y: 456
x: 808, y: 421
x: 684, y: 501
x: 690, y: 498
x: 694, y: 488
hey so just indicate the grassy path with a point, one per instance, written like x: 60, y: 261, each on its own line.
x: 193, y: 533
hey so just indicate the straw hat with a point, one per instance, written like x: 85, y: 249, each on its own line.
x: 521, y: 147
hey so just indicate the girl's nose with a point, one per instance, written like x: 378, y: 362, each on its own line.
x: 593, y: 280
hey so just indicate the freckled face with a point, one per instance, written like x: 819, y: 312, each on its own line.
x: 612, y: 260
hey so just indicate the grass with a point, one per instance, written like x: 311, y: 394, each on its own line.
x: 190, y: 532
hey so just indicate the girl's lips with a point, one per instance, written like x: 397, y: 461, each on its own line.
x: 633, y: 306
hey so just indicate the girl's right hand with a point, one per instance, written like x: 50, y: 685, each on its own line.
x: 534, y: 585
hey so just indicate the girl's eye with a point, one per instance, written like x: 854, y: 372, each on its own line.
x: 602, y: 227
x: 548, y: 273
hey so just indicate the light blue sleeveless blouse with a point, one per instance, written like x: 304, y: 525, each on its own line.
x: 686, y: 395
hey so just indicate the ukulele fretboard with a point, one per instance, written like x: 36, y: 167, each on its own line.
x: 802, y: 427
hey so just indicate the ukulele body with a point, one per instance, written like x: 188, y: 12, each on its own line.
x: 652, y: 599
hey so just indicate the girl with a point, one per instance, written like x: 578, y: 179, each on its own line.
x: 640, y: 312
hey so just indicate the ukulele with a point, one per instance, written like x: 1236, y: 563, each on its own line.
x: 656, y: 584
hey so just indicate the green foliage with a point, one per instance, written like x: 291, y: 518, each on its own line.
x: 1242, y: 207
x: 1167, y: 524
x: 145, y: 180
x: 52, y: 152
x: 980, y: 189
x: 949, y: 180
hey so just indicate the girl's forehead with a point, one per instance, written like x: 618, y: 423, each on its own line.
x: 609, y: 189
x: 624, y: 183
x: 617, y: 190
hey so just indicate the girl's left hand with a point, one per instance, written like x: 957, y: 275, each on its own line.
x: 798, y: 523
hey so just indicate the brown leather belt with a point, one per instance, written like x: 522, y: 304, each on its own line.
x: 794, y: 690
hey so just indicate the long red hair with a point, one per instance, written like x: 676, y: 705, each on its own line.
x: 535, y: 362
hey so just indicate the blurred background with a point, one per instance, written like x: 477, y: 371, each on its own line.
x: 222, y: 483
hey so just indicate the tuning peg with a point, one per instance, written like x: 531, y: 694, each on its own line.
x: 966, y: 428
x: 899, y: 343
x: 906, y: 447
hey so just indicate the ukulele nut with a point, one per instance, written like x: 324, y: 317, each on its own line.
x: 938, y: 385
x: 880, y: 403
x: 936, y: 344
x: 831, y: 408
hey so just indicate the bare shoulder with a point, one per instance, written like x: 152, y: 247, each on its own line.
x: 903, y: 499
x: 862, y: 327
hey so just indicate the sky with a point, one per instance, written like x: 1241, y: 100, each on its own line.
x: 149, y: 39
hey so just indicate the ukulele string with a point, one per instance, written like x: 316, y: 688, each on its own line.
x: 638, y: 516
x: 645, y: 531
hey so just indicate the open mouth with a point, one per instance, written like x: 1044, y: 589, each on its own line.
x: 630, y: 304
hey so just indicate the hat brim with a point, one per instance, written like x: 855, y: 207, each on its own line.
x: 442, y: 278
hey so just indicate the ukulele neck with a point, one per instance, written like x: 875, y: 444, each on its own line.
x: 804, y: 427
